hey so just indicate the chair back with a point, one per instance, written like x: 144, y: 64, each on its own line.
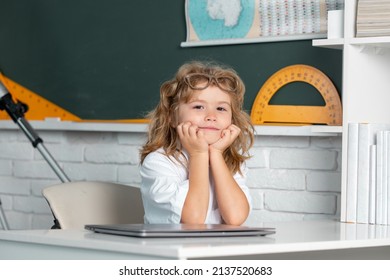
x: 76, y: 204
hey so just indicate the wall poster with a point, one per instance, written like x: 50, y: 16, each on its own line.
x: 212, y: 22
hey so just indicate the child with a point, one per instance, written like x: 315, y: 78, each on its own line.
x: 192, y: 165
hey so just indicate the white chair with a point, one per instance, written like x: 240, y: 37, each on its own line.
x: 76, y: 204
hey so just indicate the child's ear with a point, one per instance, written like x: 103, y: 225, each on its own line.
x: 173, y: 121
x: 173, y: 124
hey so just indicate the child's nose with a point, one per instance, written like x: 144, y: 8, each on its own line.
x: 210, y: 116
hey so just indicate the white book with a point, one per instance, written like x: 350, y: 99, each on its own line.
x: 367, y: 137
x: 372, y: 187
x: 384, y: 178
x: 379, y: 176
x: 352, y: 167
x: 363, y: 179
x: 387, y: 141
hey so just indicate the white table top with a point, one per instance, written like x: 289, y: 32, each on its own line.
x: 298, y: 236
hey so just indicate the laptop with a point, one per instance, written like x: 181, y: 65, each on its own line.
x: 179, y: 230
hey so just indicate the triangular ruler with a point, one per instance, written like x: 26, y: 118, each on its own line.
x: 39, y: 108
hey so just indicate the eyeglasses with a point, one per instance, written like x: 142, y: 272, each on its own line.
x: 201, y: 81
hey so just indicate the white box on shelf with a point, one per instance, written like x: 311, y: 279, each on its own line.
x: 335, y: 24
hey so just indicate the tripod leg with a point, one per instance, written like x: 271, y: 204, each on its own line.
x: 53, y: 164
x: 16, y: 112
x: 3, y: 219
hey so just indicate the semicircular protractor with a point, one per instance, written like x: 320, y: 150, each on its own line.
x: 264, y: 113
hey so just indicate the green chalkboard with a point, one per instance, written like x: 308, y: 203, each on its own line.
x: 104, y: 59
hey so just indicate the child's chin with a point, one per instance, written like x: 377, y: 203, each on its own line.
x: 212, y: 140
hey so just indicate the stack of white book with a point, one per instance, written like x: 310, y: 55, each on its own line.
x: 373, y: 18
x: 368, y: 174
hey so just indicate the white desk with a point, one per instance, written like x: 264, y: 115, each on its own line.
x: 293, y: 240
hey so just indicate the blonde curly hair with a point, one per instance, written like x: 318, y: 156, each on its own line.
x: 163, y: 119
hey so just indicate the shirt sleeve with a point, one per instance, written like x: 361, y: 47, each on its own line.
x: 241, y: 181
x: 164, y: 188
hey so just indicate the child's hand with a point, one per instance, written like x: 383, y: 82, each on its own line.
x: 192, y: 139
x: 228, y: 136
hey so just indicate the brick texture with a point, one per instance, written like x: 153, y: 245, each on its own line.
x: 290, y: 178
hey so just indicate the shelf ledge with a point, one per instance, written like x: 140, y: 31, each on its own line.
x: 306, y: 130
x: 260, y: 130
x: 380, y: 42
x: 264, y: 39
x: 337, y: 44
x: 383, y: 42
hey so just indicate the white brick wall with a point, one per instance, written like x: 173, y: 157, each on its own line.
x: 291, y: 178
x: 295, y: 178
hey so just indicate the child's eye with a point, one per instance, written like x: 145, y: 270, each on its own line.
x: 198, y: 107
x: 221, y: 109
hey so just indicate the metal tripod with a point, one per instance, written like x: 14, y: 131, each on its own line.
x: 16, y: 112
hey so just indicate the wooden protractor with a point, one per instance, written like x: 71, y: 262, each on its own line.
x: 39, y: 108
x: 264, y: 113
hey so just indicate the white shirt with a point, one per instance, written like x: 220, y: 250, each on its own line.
x: 164, y: 189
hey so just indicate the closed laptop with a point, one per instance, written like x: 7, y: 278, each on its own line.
x: 179, y: 230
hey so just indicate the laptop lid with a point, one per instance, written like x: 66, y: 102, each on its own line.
x: 179, y: 230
